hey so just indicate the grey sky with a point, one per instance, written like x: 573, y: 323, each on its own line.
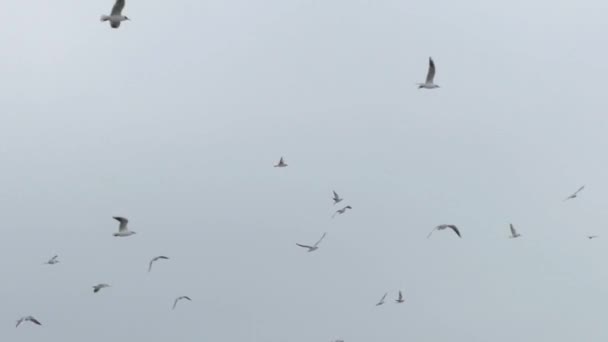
x: 175, y: 120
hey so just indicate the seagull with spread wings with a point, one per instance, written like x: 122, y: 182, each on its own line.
x: 514, y: 233
x: 116, y: 17
x: 341, y: 211
x: 178, y: 299
x: 444, y: 226
x: 575, y: 194
x: 155, y: 259
x: 400, y: 299
x: 313, y: 247
x: 98, y: 287
x: 337, y: 198
x: 123, y: 230
x: 381, y: 302
x: 53, y: 260
x: 430, y: 76
x: 281, y: 163
x: 27, y: 319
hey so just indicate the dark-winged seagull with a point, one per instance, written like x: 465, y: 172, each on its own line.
x: 178, y: 299
x: 428, y: 84
x: 336, y: 198
x: 341, y: 211
x: 575, y: 193
x: 400, y: 299
x: 155, y: 259
x: 281, y: 163
x: 381, y: 302
x: 53, y: 260
x: 98, y: 287
x: 444, y: 226
x: 115, y: 18
x: 514, y: 233
x: 27, y: 319
x: 313, y: 247
x: 123, y: 230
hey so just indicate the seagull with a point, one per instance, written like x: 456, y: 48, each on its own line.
x: 514, y: 233
x: 178, y: 299
x: 154, y: 259
x: 575, y: 193
x: 444, y: 226
x: 122, y: 229
x: 27, y: 318
x: 341, y: 211
x: 400, y: 299
x: 53, y: 260
x: 281, y: 163
x: 591, y: 237
x: 429, y: 77
x: 116, y: 17
x: 382, y: 300
x: 337, y: 198
x: 313, y: 247
x: 98, y: 287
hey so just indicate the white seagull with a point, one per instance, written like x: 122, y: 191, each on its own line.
x: 116, y: 17
x: 444, y: 226
x: 154, y: 259
x: 428, y: 84
x: 575, y: 193
x: 313, y: 247
x: 98, y: 287
x: 281, y: 163
x: 178, y: 299
x: 341, y: 211
x: 122, y: 228
x: 53, y: 260
x: 337, y: 198
x: 27, y: 318
x: 400, y: 299
x: 382, y: 300
x: 514, y: 233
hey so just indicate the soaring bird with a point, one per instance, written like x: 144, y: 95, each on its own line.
x: 178, y: 299
x: 154, y: 259
x: 444, y: 226
x: 27, y: 318
x: 514, y: 233
x: 313, y: 247
x: 281, y: 163
x: 116, y: 17
x: 575, y: 193
x: 337, y: 198
x: 591, y: 237
x: 53, y: 260
x: 400, y: 299
x: 341, y: 211
x: 428, y: 84
x: 122, y: 228
x: 381, y: 302
x: 98, y: 287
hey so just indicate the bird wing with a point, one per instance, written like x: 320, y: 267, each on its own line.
x: 123, y: 223
x: 19, y: 322
x: 336, y: 195
x: 186, y: 297
x: 428, y: 236
x: 431, y: 73
x: 281, y: 162
x: 150, y: 265
x: 175, y: 302
x: 513, y: 232
x: 455, y: 229
x: 118, y: 6
x: 579, y: 190
x: 304, y: 246
x: 400, y: 295
x: 32, y: 319
x: 321, y: 239
x: 382, y: 299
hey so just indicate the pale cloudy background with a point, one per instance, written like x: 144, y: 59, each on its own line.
x: 176, y: 119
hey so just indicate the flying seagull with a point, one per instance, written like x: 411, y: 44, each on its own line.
x: 98, y: 287
x: 382, y: 300
x: 53, y: 260
x: 444, y: 226
x: 313, y: 247
x: 154, y: 259
x: 514, y: 233
x: 591, y: 237
x: 281, y: 163
x: 27, y: 318
x: 341, y: 211
x: 428, y: 84
x: 575, y: 193
x: 116, y: 17
x: 178, y: 299
x: 400, y: 299
x: 122, y: 228
x: 337, y: 198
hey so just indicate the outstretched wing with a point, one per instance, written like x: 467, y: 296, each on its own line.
x: 434, y: 229
x: 579, y: 190
x: 304, y: 246
x: 123, y: 223
x: 400, y: 295
x: 431, y: 73
x: 321, y: 239
x: 336, y: 195
x: 455, y: 229
x: 33, y: 320
x: 118, y: 6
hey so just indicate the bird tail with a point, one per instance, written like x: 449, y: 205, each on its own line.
x: 104, y: 18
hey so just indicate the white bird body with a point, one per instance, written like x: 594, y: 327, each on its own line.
x: 123, y: 230
x: 27, y: 319
x: 337, y: 198
x: 313, y: 247
x: 430, y: 76
x: 155, y: 259
x: 116, y: 17
x: 514, y: 233
x: 178, y: 299
x: 98, y: 287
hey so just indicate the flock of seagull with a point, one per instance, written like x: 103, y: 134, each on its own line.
x: 115, y: 19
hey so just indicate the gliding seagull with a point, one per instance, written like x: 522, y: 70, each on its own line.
x: 444, y: 226
x: 122, y: 228
x: 400, y: 299
x: 53, y: 260
x: 575, y: 193
x: 116, y: 17
x: 154, y: 259
x: 382, y: 300
x: 514, y: 233
x: 313, y: 247
x: 281, y: 163
x: 428, y: 84
x: 591, y: 237
x: 337, y: 198
x: 27, y: 318
x: 341, y: 211
x: 98, y: 287
x: 178, y: 299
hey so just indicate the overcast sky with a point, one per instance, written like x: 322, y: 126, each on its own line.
x: 175, y: 120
